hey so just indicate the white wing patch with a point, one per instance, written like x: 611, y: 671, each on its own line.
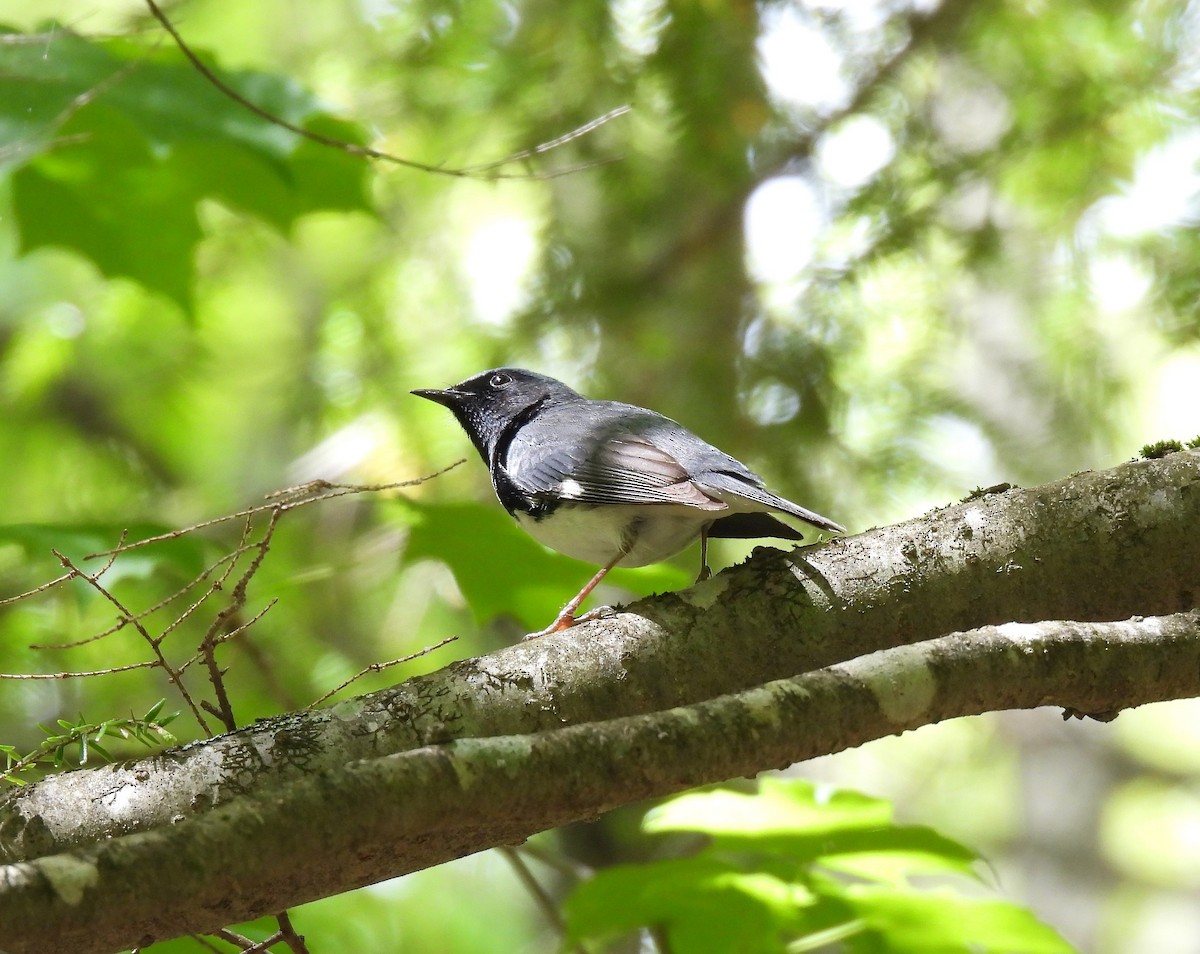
x: 571, y: 489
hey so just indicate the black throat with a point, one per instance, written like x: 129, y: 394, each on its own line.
x: 512, y: 497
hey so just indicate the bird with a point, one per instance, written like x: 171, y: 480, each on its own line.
x: 608, y: 483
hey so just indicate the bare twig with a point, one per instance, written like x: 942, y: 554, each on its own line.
x: 264, y: 945
x: 554, y: 143
x: 289, y: 935
x: 478, y: 172
x: 148, y: 664
x: 233, y: 937
x: 310, y: 493
x: 150, y: 611
x: 36, y: 590
x: 172, y: 673
x: 546, y: 904
x: 380, y: 667
x: 222, y: 621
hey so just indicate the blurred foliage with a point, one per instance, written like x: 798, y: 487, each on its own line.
x: 884, y: 252
x: 797, y: 868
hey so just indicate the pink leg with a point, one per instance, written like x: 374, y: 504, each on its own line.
x: 566, y: 618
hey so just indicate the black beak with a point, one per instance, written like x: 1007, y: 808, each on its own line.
x: 447, y: 398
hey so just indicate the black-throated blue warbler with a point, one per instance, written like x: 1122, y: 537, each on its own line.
x: 605, y: 482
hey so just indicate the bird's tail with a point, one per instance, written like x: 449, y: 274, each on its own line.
x: 729, y: 488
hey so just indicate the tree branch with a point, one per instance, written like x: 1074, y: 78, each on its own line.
x: 679, y: 690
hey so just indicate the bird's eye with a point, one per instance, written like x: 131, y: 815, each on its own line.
x: 500, y: 380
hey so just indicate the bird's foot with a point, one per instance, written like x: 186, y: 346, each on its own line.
x: 563, y: 622
x: 566, y: 620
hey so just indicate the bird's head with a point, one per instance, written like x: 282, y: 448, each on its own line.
x: 489, y: 402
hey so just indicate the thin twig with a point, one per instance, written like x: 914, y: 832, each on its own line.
x: 148, y: 664
x: 340, y: 490
x: 553, y: 143
x: 220, y: 623
x: 547, y: 905
x: 36, y: 590
x: 289, y: 934
x: 171, y: 672
x: 215, y: 587
x: 242, y: 627
x: 234, y: 938
x: 161, y: 604
x: 380, y: 667
x: 366, y: 151
x: 265, y: 944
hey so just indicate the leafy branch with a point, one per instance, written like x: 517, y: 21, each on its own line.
x: 485, y: 170
x: 88, y: 737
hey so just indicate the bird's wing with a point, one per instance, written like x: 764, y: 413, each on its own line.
x: 722, y: 477
x: 599, y: 453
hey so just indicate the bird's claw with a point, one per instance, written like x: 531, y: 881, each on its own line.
x: 567, y: 620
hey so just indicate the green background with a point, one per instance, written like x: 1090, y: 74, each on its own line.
x: 884, y: 256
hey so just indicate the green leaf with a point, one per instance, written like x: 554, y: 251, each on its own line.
x: 800, y: 823
x: 113, y: 143
x: 152, y: 713
x: 779, y: 807
x: 944, y: 923
x: 705, y: 905
x: 104, y: 753
x: 500, y: 569
x: 894, y: 855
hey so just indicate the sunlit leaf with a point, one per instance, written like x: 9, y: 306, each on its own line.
x: 702, y: 904
x: 113, y: 142
x: 944, y: 923
x: 779, y: 807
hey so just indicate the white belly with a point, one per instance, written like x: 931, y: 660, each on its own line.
x: 597, y: 534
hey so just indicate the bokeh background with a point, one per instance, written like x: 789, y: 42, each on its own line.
x: 885, y: 252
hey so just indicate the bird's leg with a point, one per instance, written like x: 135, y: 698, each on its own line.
x: 705, y: 572
x: 566, y: 618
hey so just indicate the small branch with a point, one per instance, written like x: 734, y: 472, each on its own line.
x: 288, y: 934
x: 264, y: 945
x: 172, y: 673
x: 220, y: 629
x: 554, y: 143
x: 305, y: 494
x: 148, y: 664
x: 380, y: 667
x: 476, y: 172
x: 242, y: 942
x: 150, y: 611
x: 36, y: 590
x: 546, y: 904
